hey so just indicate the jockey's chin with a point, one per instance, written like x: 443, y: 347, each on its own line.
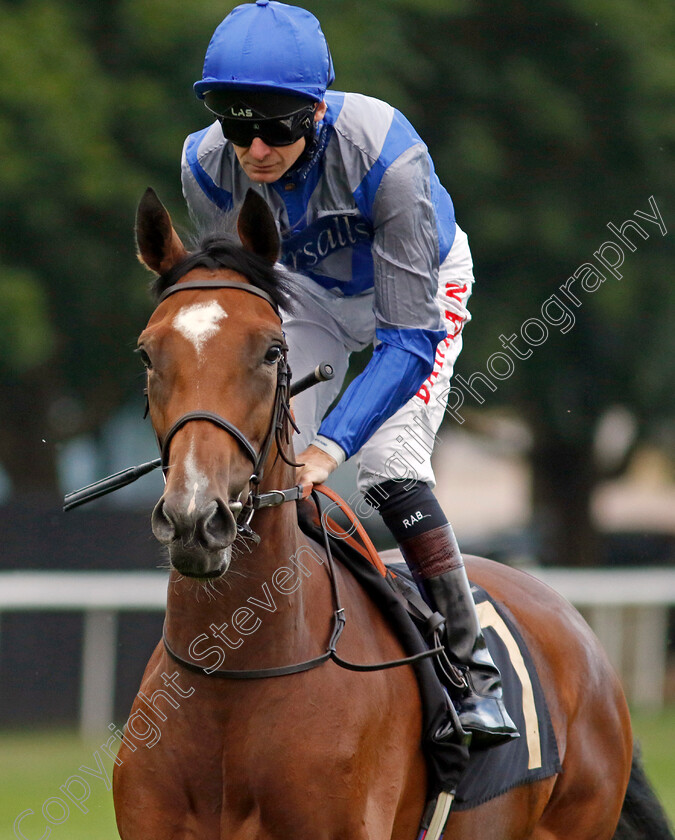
x: 266, y: 164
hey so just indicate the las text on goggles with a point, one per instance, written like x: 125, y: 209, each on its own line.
x: 241, y: 125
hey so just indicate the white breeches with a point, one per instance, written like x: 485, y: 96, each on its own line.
x: 329, y: 327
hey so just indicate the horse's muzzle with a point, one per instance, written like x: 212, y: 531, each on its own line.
x: 198, y: 538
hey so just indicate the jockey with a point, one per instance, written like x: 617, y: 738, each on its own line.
x: 371, y: 246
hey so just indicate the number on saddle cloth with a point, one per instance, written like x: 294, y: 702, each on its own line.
x: 533, y: 756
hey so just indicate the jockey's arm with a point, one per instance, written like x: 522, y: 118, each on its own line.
x: 409, y: 326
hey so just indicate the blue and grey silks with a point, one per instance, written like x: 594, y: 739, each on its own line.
x: 361, y: 214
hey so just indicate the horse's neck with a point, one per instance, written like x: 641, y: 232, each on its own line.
x: 270, y: 608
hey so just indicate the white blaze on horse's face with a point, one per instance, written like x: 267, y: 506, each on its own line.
x: 195, y: 480
x: 196, y: 484
x: 199, y: 322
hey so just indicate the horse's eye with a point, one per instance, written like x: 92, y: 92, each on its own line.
x: 144, y: 357
x: 273, y: 354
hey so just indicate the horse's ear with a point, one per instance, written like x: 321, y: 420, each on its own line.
x: 257, y: 229
x: 159, y: 246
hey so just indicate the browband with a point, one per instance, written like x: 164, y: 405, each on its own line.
x: 218, y: 284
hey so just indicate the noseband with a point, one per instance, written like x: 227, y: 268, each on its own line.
x: 282, y: 419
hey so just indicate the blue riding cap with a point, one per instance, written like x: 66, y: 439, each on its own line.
x: 268, y: 45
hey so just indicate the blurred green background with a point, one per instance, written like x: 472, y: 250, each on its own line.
x: 546, y: 121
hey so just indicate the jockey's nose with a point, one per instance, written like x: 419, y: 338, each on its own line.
x: 259, y: 149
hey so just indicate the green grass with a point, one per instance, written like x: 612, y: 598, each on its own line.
x: 656, y: 734
x: 33, y: 766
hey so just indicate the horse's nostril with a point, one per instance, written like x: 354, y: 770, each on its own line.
x: 217, y: 525
x: 163, y: 526
x: 211, y: 526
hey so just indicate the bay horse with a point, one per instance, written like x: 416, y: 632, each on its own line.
x: 324, y: 753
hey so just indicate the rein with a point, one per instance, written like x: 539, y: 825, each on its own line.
x: 281, y: 421
x: 339, y: 622
x: 279, y: 430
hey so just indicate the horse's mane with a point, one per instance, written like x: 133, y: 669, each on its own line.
x: 215, y: 252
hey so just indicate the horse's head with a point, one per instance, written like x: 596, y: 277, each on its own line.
x: 215, y: 359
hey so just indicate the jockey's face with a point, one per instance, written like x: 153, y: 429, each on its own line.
x: 266, y: 164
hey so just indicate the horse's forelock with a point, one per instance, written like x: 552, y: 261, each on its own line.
x: 216, y: 252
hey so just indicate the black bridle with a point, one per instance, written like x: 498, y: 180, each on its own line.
x: 279, y: 430
x: 282, y: 420
x: 322, y: 373
x: 339, y: 622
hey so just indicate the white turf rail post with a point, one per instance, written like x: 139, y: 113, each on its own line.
x: 648, y: 675
x: 101, y: 596
x: 627, y: 608
x: 628, y: 611
x: 97, y: 690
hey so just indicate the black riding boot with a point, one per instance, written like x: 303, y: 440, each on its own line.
x: 480, y: 708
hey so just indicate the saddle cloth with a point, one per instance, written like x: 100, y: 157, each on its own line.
x: 534, y: 755
x: 478, y: 776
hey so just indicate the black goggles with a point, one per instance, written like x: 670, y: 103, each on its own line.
x: 277, y: 131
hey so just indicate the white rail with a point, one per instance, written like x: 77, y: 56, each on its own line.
x: 627, y: 608
x: 100, y: 596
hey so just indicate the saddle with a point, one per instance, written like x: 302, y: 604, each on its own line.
x: 472, y: 777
